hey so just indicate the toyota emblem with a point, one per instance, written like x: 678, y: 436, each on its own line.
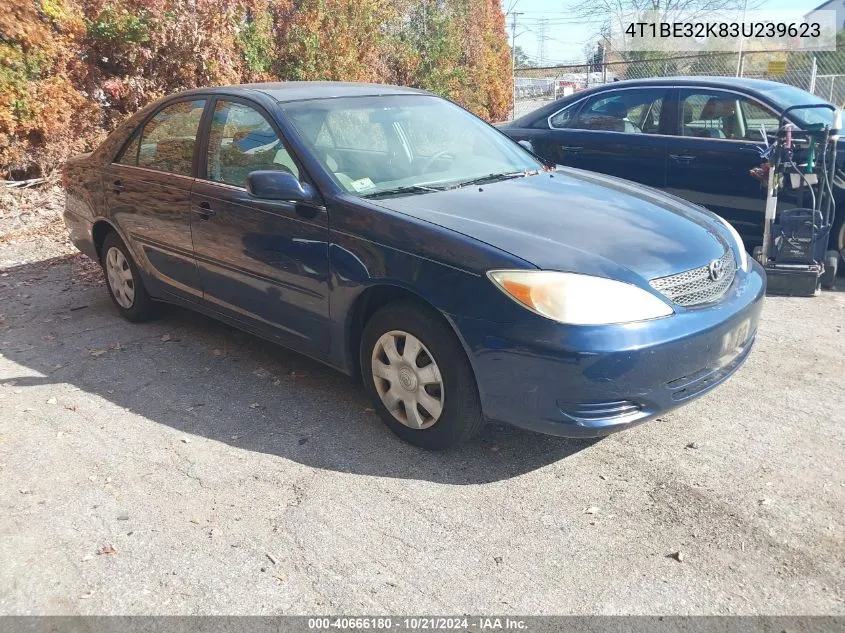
x: 716, y: 269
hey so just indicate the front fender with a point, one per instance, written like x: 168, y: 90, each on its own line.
x: 378, y: 247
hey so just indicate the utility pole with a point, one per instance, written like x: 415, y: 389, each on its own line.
x: 739, y: 55
x: 541, y: 40
x: 514, y: 15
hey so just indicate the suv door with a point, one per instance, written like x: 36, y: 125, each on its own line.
x: 616, y: 132
x: 717, y: 140
x: 264, y: 262
x: 148, y: 191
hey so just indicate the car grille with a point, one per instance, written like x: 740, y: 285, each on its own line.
x: 696, y: 286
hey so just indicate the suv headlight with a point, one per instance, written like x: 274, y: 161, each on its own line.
x: 739, y: 247
x: 579, y: 299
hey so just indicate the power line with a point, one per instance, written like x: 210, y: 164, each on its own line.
x: 586, y: 20
x: 541, y: 41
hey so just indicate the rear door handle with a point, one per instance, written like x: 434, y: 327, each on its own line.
x: 117, y: 186
x: 682, y: 158
x: 204, y: 210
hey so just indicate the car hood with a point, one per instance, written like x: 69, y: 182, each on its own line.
x: 573, y: 220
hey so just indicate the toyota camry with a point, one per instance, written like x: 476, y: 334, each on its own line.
x: 397, y: 238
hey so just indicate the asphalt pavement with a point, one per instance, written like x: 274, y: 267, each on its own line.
x: 182, y: 467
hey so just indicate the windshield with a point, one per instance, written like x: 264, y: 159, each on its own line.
x: 785, y: 96
x: 405, y: 144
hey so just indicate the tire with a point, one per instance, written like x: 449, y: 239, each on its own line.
x: 837, y: 239
x: 460, y: 417
x: 139, y: 306
x: 831, y: 263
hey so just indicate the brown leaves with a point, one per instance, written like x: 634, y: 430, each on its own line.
x: 69, y: 84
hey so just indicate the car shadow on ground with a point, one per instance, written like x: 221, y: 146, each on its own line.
x: 201, y: 377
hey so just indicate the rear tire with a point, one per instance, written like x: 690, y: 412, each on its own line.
x: 413, y: 350
x: 831, y: 264
x: 124, y: 282
x: 837, y: 235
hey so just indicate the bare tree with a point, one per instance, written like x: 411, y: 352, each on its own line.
x: 618, y: 8
x: 618, y: 15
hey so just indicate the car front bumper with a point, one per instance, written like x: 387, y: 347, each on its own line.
x: 579, y: 381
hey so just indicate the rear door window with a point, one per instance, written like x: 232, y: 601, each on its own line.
x: 129, y: 156
x: 565, y: 118
x: 169, y: 138
x: 629, y: 111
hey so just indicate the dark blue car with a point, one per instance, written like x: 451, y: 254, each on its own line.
x: 395, y: 237
x: 695, y: 137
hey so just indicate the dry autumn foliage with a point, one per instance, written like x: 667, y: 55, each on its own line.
x: 71, y: 69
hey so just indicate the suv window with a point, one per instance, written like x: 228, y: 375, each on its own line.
x: 723, y: 115
x: 629, y: 111
x: 168, y: 139
x: 241, y: 141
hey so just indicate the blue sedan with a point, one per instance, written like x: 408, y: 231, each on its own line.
x: 695, y: 137
x: 395, y: 237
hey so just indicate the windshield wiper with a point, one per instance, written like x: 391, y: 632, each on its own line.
x: 494, y: 177
x: 401, y: 190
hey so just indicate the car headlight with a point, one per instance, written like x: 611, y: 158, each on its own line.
x: 579, y: 299
x: 739, y: 247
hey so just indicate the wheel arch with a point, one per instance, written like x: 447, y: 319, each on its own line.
x: 372, y: 299
x: 837, y: 233
x: 99, y: 230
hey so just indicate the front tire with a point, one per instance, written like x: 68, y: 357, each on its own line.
x: 124, y: 281
x: 419, y: 378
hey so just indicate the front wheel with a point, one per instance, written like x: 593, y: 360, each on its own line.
x: 418, y: 377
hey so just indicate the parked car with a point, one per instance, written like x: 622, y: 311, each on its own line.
x: 696, y: 137
x: 392, y: 235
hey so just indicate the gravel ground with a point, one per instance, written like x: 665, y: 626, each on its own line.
x: 181, y: 467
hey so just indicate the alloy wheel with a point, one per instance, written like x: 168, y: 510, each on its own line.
x: 407, y: 379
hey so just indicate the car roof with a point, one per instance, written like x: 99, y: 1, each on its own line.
x: 284, y: 91
x: 715, y: 81
x: 753, y: 87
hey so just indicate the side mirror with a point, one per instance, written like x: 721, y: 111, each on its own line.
x: 279, y: 185
x: 527, y: 145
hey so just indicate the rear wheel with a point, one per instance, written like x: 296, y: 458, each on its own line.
x: 838, y: 239
x: 123, y: 281
x: 418, y: 377
x: 831, y: 263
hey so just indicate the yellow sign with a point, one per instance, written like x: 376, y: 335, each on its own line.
x: 777, y: 67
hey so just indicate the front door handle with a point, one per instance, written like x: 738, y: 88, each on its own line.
x: 117, y: 187
x: 682, y: 158
x: 204, y: 210
x: 570, y: 149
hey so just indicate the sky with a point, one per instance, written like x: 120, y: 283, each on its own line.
x: 567, y: 35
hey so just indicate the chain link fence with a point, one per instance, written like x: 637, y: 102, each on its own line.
x: 822, y: 74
